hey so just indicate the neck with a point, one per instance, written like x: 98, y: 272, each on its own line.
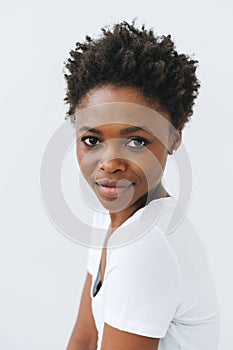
x: 118, y: 218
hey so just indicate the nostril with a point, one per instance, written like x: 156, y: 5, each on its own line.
x: 114, y: 165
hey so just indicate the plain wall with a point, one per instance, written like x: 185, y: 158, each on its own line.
x: 42, y: 272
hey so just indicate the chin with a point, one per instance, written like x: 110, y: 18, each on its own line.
x: 115, y: 205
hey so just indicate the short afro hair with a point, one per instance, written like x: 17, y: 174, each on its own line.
x: 135, y: 57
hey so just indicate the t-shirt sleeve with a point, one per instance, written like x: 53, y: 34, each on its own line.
x: 90, y: 261
x: 143, y: 286
x: 100, y: 220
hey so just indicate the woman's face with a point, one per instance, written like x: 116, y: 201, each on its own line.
x: 122, y: 163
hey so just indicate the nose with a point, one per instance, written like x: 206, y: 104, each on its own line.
x: 111, y: 160
x: 113, y: 165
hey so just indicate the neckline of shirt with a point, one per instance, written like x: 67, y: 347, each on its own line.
x: 151, y: 203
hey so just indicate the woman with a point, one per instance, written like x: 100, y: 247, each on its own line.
x: 130, y: 94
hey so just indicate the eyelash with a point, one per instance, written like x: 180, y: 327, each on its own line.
x: 135, y: 138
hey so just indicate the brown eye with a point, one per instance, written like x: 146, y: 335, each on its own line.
x: 90, y: 141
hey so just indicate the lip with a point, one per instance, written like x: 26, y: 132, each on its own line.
x: 113, y: 183
x: 112, y: 188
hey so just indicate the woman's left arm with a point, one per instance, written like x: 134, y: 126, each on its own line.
x: 115, y: 339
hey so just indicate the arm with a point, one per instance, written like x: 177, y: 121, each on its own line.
x: 115, y: 339
x: 84, y: 335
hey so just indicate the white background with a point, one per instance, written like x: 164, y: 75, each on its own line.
x: 42, y: 272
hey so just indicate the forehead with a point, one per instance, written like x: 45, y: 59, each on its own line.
x: 113, y: 93
x: 120, y: 115
x: 118, y: 119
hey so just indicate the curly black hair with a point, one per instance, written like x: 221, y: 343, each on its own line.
x: 136, y: 57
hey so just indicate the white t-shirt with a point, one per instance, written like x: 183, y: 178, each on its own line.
x: 157, y: 282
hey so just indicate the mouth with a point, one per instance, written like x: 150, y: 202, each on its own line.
x: 112, y: 189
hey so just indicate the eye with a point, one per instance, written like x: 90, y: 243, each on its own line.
x: 90, y: 141
x: 137, y: 142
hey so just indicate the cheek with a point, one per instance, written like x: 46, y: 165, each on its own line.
x: 154, y: 158
x: 87, y: 162
x: 79, y: 154
x: 160, y: 154
x: 151, y: 166
x: 83, y: 160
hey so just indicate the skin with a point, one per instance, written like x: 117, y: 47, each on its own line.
x: 138, y: 174
x: 101, y: 162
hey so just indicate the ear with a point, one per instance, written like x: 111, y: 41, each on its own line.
x: 175, y: 140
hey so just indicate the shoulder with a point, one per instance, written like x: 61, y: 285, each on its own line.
x: 143, y: 236
x: 150, y: 251
x: 143, y: 285
x: 148, y: 261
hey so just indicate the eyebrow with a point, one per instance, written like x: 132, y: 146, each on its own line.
x: 122, y: 132
x: 133, y: 129
x: 86, y: 128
